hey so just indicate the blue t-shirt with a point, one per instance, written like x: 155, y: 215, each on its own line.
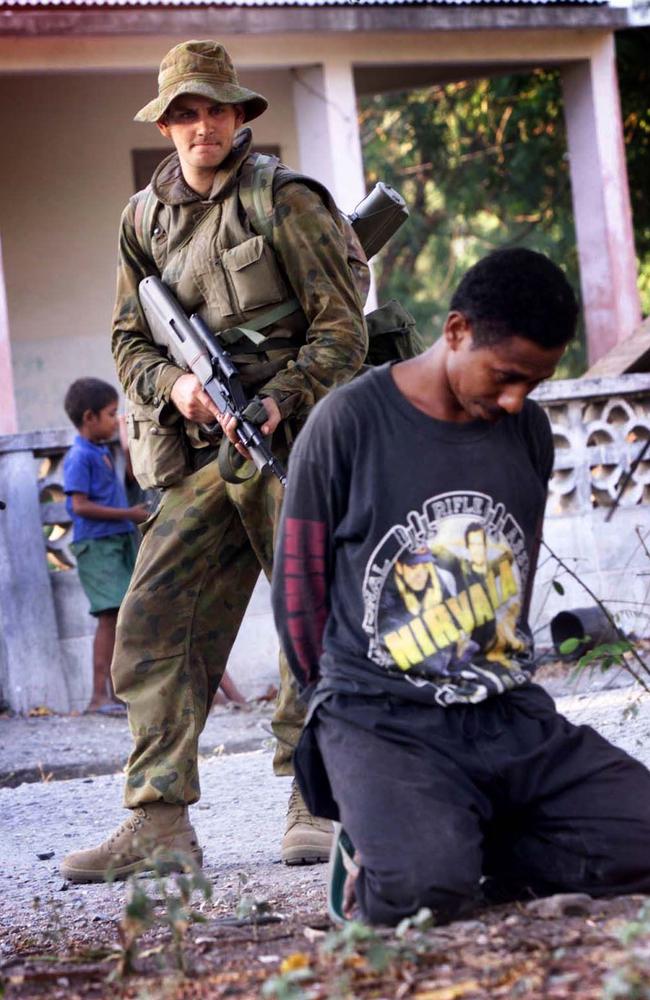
x: 88, y: 468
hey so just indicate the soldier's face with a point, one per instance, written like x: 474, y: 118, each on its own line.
x: 202, y: 131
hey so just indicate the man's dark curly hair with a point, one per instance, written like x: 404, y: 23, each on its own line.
x: 517, y: 292
x: 87, y: 394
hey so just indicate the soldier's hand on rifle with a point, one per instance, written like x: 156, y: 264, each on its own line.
x: 189, y: 399
x: 229, y: 424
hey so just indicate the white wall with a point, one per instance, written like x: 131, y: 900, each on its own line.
x: 65, y: 176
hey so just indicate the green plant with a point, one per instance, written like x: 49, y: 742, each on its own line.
x: 355, y: 938
x: 138, y: 917
x: 173, y: 893
x: 631, y: 980
x: 423, y: 920
x: 250, y: 908
x: 621, y: 652
x: 287, y: 985
x: 55, y: 928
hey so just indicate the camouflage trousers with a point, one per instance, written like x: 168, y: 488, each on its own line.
x: 196, y: 568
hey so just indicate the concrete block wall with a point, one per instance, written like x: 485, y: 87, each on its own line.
x: 76, y: 631
x: 600, y: 427
x: 46, y: 631
x: 253, y: 662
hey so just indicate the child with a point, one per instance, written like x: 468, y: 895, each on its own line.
x: 103, y: 525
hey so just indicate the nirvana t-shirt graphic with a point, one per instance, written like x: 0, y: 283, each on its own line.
x: 442, y: 598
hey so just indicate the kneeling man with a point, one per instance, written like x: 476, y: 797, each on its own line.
x: 449, y: 769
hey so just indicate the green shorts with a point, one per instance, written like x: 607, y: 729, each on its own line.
x: 105, y: 566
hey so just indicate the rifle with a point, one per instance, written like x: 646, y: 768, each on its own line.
x: 201, y: 351
x: 378, y: 217
x: 374, y: 220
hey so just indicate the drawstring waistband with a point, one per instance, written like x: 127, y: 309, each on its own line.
x: 486, y: 718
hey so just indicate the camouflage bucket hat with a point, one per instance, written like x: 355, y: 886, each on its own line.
x: 203, y: 68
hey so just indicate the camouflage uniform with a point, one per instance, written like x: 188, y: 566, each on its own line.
x: 202, y: 550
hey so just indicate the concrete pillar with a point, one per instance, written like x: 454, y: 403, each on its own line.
x: 31, y: 666
x: 329, y: 143
x: 8, y: 418
x: 601, y: 200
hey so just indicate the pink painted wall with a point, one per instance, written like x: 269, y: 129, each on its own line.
x: 601, y: 201
x: 8, y: 419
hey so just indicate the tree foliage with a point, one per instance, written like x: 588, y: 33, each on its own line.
x: 484, y: 164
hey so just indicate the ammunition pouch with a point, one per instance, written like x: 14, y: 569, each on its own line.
x: 157, y: 445
x: 392, y: 335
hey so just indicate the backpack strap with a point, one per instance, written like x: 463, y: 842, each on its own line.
x: 256, y: 195
x: 146, y: 209
x: 256, y: 192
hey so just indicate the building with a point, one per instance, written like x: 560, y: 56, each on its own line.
x: 72, y: 75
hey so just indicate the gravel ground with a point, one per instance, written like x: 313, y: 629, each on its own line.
x: 73, y: 746
x: 240, y: 822
x: 240, y: 819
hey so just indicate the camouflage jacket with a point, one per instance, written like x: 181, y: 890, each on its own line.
x: 311, y: 252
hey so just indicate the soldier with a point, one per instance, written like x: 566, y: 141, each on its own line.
x: 203, y: 548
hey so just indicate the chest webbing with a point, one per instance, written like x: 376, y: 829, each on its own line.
x: 256, y: 196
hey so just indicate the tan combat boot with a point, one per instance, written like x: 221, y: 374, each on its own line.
x: 307, y: 839
x: 156, y: 826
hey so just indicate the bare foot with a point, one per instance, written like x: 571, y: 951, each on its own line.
x: 104, y: 706
x: 229, y: 693
x: 230, y: 690
x: 350, y: 889
x: 98, y: 703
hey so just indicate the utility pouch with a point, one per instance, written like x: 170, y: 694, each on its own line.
x: 158, y: 450
x: 253, y: 275
x: 392, y: 335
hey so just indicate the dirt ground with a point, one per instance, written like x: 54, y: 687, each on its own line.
x: 572, y: 948
x: 263, y: 931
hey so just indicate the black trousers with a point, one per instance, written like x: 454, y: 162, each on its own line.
x: 507, y: 793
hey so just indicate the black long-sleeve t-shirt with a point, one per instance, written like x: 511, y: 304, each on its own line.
x: 406, y: 547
